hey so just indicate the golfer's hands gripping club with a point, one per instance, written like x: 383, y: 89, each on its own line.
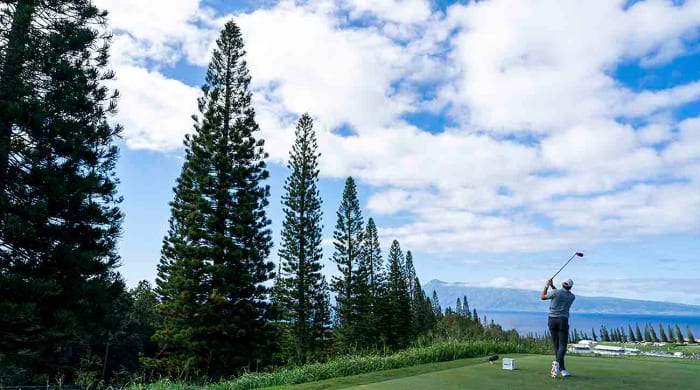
x: 550, y: 283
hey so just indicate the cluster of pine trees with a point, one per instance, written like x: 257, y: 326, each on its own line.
x: 61, y: 298
x: 218, y: 306
x: 666, y: 335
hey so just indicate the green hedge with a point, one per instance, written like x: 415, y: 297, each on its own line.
x: 354, y: 365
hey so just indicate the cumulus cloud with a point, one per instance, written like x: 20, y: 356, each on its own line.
x: 342, y: 76
x: 547, y: 147
x: 152, y: 119
x: 161, y: 30
x: 400, y: 11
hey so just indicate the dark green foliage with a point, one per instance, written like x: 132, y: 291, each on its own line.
x: 59, y: 219
x: 638, y: 333
x: 321, y: 322
x: 465, y: 307
x: 372, y: 286
x: 214, y: 304
x: 630, y: 334
x: 689, y: 334
x: 423, y: 316
x: 372, y: 254
x: 347, y: 240
x: 300, y: 253
x: 364, y: 323
x: 453, y: 326
x: 652, y: 332
x: 414, y: 294
x: 662, y: 334
x: 594, y: 337
x: 398, y: 302
x: 409, y: 271
x: 436, y: 306
x: 679, y: 335
x: 132, y: 343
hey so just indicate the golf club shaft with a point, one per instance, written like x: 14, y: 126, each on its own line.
x: 562, y: 267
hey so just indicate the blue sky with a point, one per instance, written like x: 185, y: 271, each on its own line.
x: 492, y: 138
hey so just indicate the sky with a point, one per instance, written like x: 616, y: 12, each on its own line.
x: 493, y: 139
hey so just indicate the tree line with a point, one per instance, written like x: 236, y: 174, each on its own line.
x: 219, y: 305
x: 667, y: 335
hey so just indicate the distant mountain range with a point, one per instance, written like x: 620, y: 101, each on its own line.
x: 510, y: 299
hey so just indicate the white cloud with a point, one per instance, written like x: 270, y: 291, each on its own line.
x: 400, y: 11
x: 154, y: 110
x: 648, y: 102
x: 161, y: 30
x: 542, y: 66
x: 687, y: 146
x: 531, y: 84
x: 340, y: 76
x: 654, y: 133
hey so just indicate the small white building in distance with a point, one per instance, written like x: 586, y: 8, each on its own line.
x: 608, y: 350
x: 580, y: 348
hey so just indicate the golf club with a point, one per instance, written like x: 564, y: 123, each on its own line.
x: 579, y: 254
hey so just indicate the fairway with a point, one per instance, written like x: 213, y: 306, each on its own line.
x: 533, y: 373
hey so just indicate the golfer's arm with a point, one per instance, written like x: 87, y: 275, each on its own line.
x: 544, y: 296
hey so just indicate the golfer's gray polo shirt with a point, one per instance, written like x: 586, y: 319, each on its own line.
x: 561, y: 301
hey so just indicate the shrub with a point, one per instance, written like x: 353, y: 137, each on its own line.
x: 354, y: 365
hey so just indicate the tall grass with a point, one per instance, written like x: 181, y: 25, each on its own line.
x: 354, y: 365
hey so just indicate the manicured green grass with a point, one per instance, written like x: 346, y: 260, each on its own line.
x: 379, y: 376
x: 532, y: 373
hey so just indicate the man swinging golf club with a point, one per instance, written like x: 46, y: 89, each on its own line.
x: 558, y: 323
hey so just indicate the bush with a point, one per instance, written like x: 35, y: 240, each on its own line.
x: 354, y: 365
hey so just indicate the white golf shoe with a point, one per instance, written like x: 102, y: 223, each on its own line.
x: 555, y: 369
x: 565, y: 373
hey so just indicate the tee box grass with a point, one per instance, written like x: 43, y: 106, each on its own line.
x: 532, y: 373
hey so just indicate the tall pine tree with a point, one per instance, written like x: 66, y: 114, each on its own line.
x: 679, y: 335
x: 398, y: 302
x: 437, y: 309
x: 638, y: 333
x: 630, y: 334
x: 372, y: 263
x: 662, y: 334
x: 410, y: 273
x: 689, y: 334
x: 214, y: 264
x: 59, y: 220
x: 301, y: 251
x: 347, y: 240
x: 372, y: 254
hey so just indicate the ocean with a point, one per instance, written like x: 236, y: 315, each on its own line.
x: 536, y: 322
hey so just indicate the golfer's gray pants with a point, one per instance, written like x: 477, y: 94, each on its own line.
x: 559, y: 328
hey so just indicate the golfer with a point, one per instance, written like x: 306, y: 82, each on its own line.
x: 558, y: 322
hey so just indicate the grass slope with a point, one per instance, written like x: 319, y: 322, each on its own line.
x: 532, y: 373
